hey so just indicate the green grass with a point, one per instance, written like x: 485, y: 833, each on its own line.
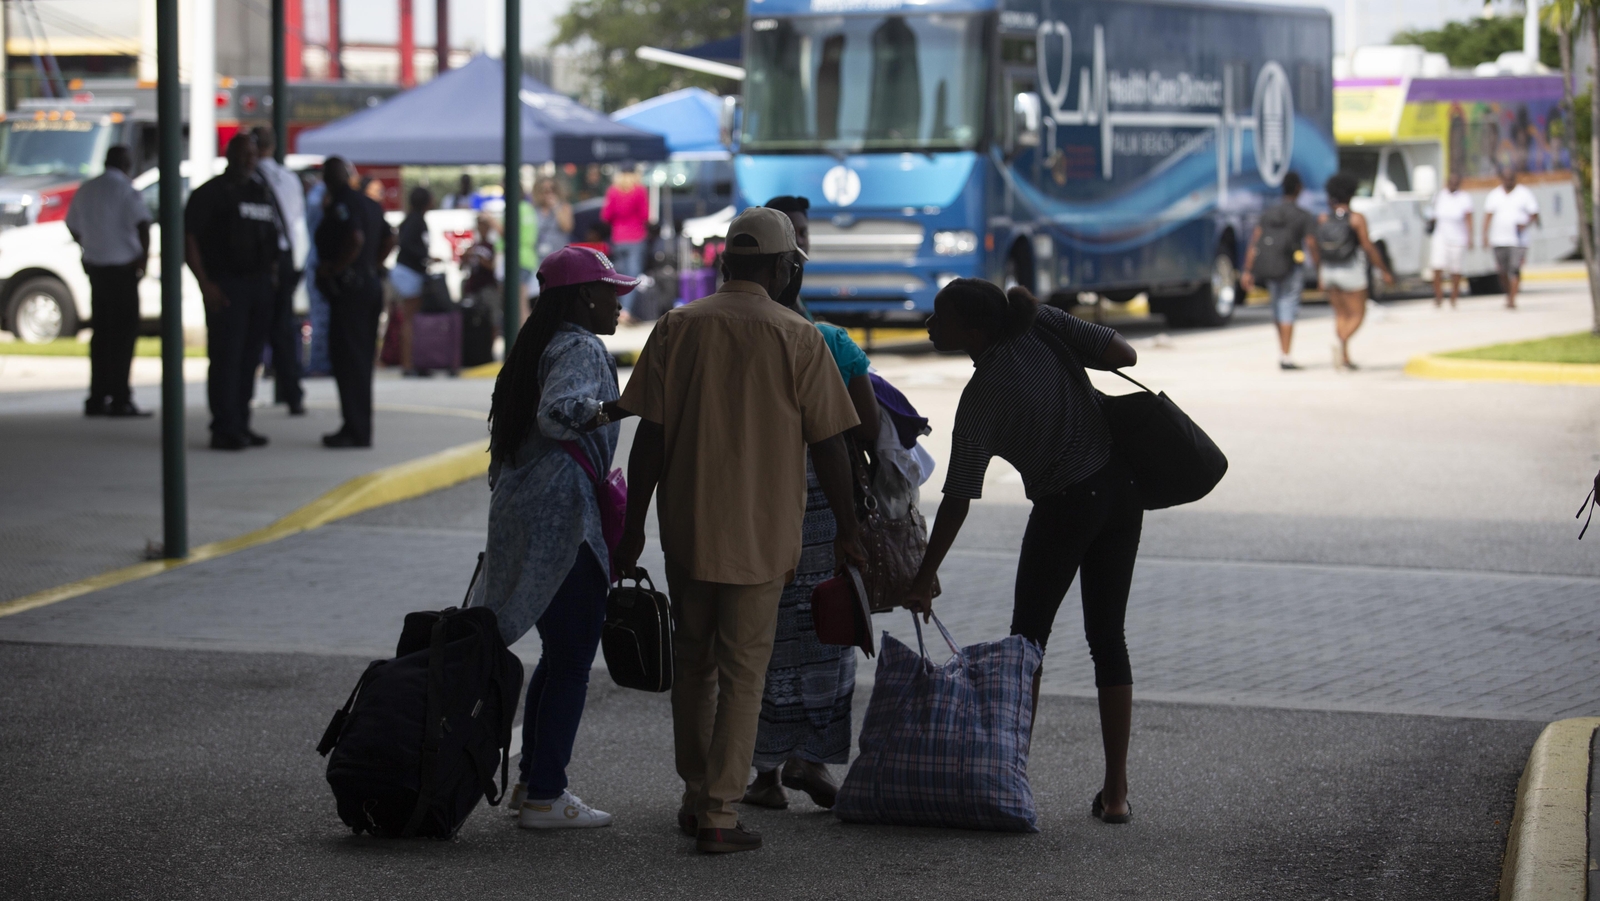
x: 1581, y: 347
x: 72, y: 347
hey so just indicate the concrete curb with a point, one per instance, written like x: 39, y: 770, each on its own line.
x: 1547, y: 850
x: 1453, y: 369
x: 388, y: 485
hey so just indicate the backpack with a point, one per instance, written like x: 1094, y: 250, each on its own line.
x: 415, y: 746
x: 1337, y: 239
x: 637, y: 635
x: 1281, y: 235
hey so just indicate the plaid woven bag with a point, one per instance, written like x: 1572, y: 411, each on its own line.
x: 946, y: 745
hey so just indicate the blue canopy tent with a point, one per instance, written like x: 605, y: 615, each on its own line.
x: 689, y: 120
x: 455, y: 120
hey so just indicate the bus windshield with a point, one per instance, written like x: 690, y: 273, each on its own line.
x: 864, y: 83
x: 74, y: 148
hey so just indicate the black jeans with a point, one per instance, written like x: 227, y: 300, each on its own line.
x: 115, y: 296
x: 284, y: 336
x: 1094, y: 527
x: 352, y: 346
x: 235, y: 334
x: 569, y: 633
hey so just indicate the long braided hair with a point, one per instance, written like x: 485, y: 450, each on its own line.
x: 516, y: 388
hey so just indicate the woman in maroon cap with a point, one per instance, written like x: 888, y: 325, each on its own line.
x: 547, y: 565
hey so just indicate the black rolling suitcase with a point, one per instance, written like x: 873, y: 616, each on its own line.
x: 417, y: 744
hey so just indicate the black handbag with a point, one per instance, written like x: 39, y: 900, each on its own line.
x: 1172, y: 460
x: 637, y: 635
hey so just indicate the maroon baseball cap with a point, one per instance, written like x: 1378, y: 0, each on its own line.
x: 574, y: 265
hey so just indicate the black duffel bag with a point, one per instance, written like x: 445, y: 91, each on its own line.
x: 1172, y: 460
x: 637, y: 635
x: 416, y: 746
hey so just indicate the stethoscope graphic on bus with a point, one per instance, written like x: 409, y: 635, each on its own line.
x: 1270, y: 120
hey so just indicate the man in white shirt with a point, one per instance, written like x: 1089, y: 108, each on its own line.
x: 283, y: 335
x: 1508, y: 212
x: 110, y: 221
x: 1452, y: 238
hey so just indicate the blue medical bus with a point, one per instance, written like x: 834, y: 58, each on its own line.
x: 1071, y: 146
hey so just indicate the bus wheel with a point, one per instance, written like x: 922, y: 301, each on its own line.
x: 1213, y: 304
x: 42, y: 311
x: 1019, y: 269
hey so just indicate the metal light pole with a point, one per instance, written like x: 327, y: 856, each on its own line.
x: 513, y: 178
x: 280, y: 79
x: 169, y: 108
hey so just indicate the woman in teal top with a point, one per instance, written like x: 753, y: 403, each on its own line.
x: 805, y: 707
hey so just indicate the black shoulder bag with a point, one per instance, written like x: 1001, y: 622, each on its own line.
x: 1172, y: 460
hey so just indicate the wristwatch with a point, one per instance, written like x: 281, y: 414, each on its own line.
x: 600, y: 417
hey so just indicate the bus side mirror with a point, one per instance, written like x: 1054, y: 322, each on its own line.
x: 1025, y: 115
x: 728, y: 121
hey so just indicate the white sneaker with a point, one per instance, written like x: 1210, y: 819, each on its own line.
x: 565, y: 812
x: 519, y: 793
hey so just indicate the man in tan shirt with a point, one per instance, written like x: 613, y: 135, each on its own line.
x: 730, y: 391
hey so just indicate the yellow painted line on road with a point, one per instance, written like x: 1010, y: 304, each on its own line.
x: 1554, y: 275
x: 1453, y: 369
x: 1547, y: 850
x: 388, y: 485
x: 486, y: 371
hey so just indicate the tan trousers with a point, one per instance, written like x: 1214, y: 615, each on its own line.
x: 721, y: 648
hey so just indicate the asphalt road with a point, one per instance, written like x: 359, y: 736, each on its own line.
x: 160, y: 774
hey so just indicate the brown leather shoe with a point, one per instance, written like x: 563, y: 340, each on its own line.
x: 727, y: 841
x: 686, y: 824
x: 766, y: 792
x: 813, y: 779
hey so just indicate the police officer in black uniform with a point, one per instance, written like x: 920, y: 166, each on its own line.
x: 352, y: 240
x: 231, y: 229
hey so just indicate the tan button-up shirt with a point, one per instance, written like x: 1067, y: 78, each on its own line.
x: 740, y: 386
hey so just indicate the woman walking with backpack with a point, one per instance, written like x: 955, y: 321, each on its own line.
x: 547, y: 565
x: 1030, y: 403
x: 1347, y: 253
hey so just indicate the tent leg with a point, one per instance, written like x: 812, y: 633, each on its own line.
x: 513, y: 172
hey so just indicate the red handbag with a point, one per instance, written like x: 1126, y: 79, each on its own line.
x: 839, y: 611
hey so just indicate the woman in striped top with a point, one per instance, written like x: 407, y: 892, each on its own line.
x: 1030, y: 403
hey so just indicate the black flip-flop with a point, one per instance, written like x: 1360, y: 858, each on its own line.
x: 1098, y: 811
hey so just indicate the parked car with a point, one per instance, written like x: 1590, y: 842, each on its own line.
x: 44, y: 294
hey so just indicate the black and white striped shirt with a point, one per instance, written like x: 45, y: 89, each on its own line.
x: 1033, y: 409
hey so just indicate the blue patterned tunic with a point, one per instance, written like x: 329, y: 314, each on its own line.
x: 543, y: 508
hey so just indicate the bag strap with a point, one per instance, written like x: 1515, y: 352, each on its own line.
x: 1131, y: 379
x: 1590, y: 502
x: 575, y: 451
x: 942, y: 630
x: 640, y: 576
x: 330, y: 737
x: 476, y: 571
x: 432, y: 734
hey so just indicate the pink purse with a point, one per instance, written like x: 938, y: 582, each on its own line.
x: 611, y: 493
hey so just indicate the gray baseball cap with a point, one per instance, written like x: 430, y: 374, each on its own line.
x: 772, y: 230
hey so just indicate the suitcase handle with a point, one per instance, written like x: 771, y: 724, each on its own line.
x: 640, y: 576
